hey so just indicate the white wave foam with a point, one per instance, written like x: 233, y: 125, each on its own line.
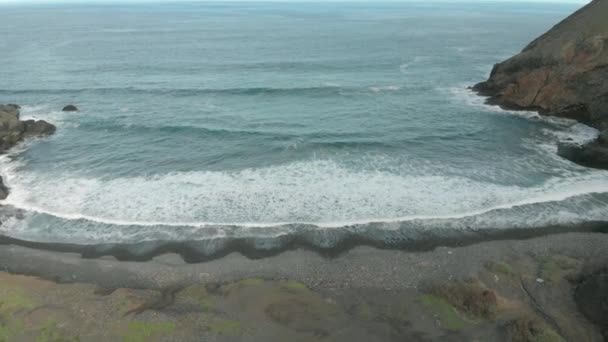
x: 315, y: 192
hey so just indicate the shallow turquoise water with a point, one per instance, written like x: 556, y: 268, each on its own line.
x: 207, y: 120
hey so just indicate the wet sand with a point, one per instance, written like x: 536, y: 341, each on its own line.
x: 509, y: 290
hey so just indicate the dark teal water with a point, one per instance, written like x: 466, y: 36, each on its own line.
x: 242, y: 119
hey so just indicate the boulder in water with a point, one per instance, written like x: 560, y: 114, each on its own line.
x: 70, y: 108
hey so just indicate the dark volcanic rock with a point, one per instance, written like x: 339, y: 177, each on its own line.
x: 70, y: 108
x: 562, y: 73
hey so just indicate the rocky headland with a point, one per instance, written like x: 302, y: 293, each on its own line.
x: 14, y: 130
x: 562, y: 73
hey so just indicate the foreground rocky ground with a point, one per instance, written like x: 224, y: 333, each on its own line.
x: 551, y: 288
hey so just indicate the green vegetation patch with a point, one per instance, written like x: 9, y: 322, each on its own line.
x: 444, y: 311
x: 142, y: 331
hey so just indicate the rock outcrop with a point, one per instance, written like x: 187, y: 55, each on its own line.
x: 13, y: 130
x: 563, y: 73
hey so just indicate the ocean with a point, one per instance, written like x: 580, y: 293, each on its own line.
x: 218, y: 121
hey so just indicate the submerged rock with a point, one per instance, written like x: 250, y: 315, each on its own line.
x: 70, y: 108
x: 563, y: 73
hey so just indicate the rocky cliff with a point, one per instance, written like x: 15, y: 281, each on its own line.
x: 564, y: 73
x: 14, y: 130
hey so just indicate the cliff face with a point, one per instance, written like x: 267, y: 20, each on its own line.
x: 564, y: 73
